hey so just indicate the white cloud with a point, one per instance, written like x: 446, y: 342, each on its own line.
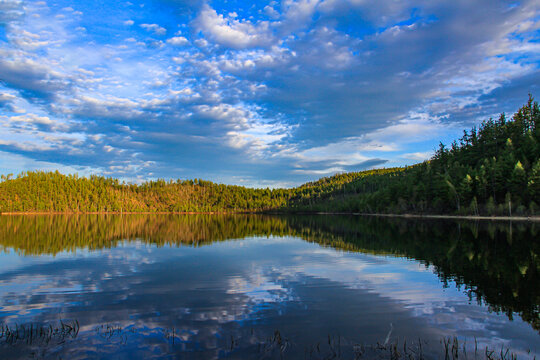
x: 129, y: 22
x: 259, y: 137
x: 245, y: 61
x: 154, y: 28
x: 418, y: 156
x: 300, y: 11
x: 271, y: 12
x: 27, y: 40
x: 236, y: 118
x: 5, y: 97
x: 32, y: 119
x: 178, y: 41
x: 231, y: 32
x: 416, y: 127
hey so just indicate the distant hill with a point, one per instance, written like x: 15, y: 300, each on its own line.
x: 492, y: 170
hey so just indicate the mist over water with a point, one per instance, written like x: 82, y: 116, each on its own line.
x: 249, y: 286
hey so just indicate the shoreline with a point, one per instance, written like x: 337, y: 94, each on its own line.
x: 418, y: 216
x: 14, y: 213
x: 407, y: 216
x: 459, y: 217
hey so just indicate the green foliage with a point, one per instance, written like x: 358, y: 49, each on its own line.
x: 534, y: 181
x: 54, y: 192
x: 491, y: 171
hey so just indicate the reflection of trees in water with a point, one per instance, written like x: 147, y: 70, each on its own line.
x: 498, y: 263
x: 494, y: 262
x: 51, y: 234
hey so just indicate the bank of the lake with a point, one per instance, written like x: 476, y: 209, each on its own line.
x: 419, y: 216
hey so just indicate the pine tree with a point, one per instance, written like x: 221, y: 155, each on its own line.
x: 534, y: 183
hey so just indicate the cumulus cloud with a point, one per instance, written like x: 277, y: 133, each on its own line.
x: 6, y: 99
x: 31, y: 119
x: 229, y: 31
x: 154, y: 28
x: 178, y: 41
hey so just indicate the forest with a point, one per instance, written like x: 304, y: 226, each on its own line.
x: 54, y: 192
x: 492, y: 170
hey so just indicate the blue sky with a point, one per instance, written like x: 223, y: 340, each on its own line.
x: 259, y: 93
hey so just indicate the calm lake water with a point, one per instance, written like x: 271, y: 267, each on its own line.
x: 246, y: 286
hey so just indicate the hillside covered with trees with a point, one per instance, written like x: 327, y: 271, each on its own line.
x: 492, y: 170
x: 52, y: 191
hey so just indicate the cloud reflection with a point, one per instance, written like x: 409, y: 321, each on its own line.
x: 242, y: 289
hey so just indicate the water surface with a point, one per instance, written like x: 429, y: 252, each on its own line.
x: 245, y: 286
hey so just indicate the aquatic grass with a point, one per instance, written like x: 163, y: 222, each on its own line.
x: 36, y: 334
x: 110, y: 332
x: 278, y: 346
x: 275, y: 346
x: 335, y: 348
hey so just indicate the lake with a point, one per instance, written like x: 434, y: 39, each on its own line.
x: 253, y: 286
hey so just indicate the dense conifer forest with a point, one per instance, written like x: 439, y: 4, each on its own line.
x: 52, y: 191
x: 492, y: 170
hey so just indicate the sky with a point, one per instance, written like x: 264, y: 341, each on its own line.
x: 254, y: 93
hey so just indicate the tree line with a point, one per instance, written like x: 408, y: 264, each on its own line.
x: 38, y: 191
x: 491, y: 170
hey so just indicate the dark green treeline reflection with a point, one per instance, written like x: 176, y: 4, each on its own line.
x: 494, y: 262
